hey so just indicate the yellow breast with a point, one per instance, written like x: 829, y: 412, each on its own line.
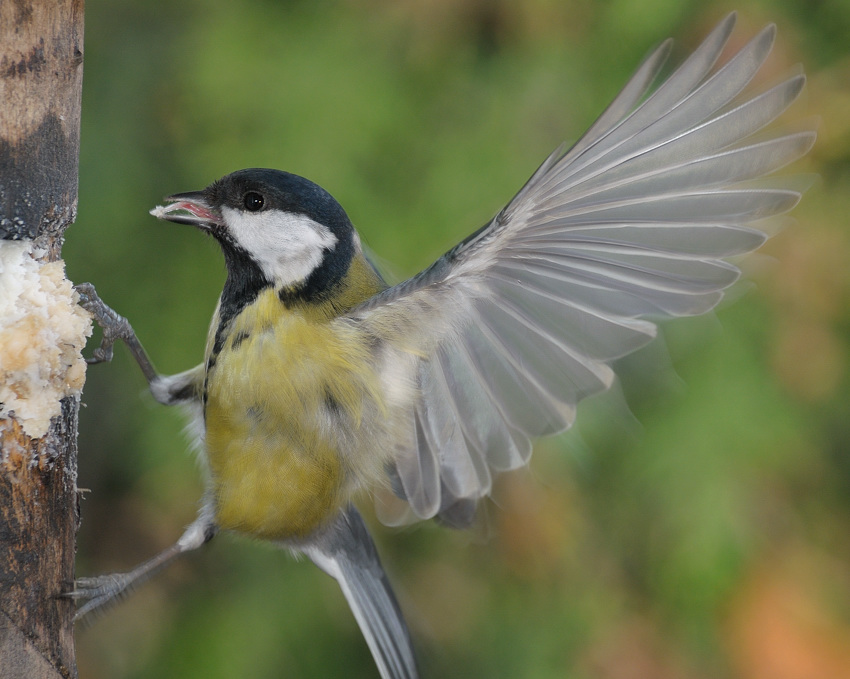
x: 285, y: 391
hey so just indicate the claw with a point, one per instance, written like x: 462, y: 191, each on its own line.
x: 114, y: 325
x: 87, y: 294
x: 98, y: 592
x: 100, y: 355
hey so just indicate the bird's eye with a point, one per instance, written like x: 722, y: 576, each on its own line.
x: 253, y: 201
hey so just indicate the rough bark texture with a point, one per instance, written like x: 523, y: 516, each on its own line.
x: 38, y: 523
x: 41, y: 45
x: 41, y: 78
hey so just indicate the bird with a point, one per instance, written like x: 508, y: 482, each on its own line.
x: 321, y: 384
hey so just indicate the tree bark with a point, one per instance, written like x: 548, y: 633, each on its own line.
x: 41, y: 45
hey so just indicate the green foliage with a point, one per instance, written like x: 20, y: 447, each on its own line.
x: 664, y: 549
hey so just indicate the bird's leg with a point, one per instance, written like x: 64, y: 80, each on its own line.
x: 184, y: 387
x: 114, y: 327
x: 103, y: 590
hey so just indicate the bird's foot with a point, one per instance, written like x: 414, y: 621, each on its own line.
x: 114, y: 325
x: 97, y: 592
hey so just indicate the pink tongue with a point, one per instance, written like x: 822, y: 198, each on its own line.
x: 194, y: 208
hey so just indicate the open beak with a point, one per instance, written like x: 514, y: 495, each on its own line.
x: 189, y: 208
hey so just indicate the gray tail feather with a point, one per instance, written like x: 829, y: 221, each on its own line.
x: 347, y: 553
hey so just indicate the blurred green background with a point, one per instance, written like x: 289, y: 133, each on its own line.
x: 700, y: 532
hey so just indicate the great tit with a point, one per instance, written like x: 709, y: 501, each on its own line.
x: 319, y: 381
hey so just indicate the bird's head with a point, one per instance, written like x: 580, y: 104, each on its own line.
x: 275, y: 228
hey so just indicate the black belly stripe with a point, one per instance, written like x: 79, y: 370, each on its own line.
x: 331, y: 403
x: 239, y: 338
x: 245, y: 281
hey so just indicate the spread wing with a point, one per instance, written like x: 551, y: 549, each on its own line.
x: 519, y: 322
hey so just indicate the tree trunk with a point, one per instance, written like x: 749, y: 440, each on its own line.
x: 42, y: 333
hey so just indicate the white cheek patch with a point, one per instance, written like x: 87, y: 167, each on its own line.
x: 288, y: 247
